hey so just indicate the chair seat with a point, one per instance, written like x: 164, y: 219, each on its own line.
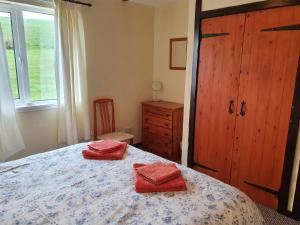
x: 117, y: 136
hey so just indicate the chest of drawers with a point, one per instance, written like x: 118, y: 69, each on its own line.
x: 162, y: 128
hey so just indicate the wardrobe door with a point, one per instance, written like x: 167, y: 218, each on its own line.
x: 218, y: 82
x: 267, y: 82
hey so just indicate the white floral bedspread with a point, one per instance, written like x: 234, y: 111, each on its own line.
x: 60, y: 187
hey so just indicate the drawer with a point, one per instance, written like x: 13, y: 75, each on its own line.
x: 156, y: 121
x: 156, y: 112
x: 159, y: 131
x: 155, y: 139
x: 160, y: 151
x: 157, y: 145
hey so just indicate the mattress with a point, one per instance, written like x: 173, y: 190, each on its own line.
x: 60, y: 187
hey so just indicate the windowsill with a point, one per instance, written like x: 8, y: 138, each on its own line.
x: 36, y: 106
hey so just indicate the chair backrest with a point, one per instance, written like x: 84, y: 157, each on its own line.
x: 104, y: 110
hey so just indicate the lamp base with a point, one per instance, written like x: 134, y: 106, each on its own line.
x: 156, y: 100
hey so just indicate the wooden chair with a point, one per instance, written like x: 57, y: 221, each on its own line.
x: 104, y: 108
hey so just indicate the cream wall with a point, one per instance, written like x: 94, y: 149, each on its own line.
x: 171, y: 21
x: 120, y: 57
x: 216, y: 4
x: 119, y: 40
x: 39, y: 131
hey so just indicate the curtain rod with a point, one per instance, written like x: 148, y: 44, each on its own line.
x: 78, y: 2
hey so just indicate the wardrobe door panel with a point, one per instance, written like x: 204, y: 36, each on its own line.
x: 267, y: 81
x: 218, y: 82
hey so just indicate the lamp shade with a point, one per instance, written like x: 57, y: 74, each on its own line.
x: 156, y: 85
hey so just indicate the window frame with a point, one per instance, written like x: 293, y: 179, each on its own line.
x: 24, y: 102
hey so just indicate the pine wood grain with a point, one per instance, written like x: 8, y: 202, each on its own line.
x: 162, y: 128
x: 220, y: 60
x: 267, y: 80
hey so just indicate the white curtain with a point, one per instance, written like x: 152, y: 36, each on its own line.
x: 11, y: 140
x: 73, y: 113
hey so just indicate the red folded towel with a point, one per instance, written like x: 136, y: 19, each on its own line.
x: 98, y: 155
x: 144, y: 186
x: 105, y: 146
x: 159, y: 172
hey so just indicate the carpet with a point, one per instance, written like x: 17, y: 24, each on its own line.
x: 274, y: 218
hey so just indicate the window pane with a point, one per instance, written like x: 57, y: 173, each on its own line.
x: 39, y: 35
x: 5, y: 22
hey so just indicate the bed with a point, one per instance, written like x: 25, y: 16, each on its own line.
x: 60, y: 187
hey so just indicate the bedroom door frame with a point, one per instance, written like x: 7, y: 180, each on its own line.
x: 295, y: 114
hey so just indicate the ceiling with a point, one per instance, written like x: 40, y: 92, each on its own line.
x: 154, y: 2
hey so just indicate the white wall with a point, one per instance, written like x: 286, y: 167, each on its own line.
x: 295, y: 173
x: 171, y: 21
x: 188, y: 82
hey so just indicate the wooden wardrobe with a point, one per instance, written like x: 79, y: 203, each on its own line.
x: 248, y: 66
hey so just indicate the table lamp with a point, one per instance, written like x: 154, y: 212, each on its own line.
x: 156, y: 87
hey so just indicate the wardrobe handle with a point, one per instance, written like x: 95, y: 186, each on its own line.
x: 231, y: 107
x: 243, y: 108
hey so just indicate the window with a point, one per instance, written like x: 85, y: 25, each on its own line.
x: 30, y: 49
x: 5, y: 21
